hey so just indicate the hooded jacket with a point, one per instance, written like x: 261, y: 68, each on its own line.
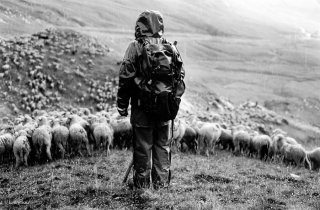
x: 149, y: 25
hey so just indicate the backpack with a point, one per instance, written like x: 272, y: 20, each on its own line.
x: 161, y: 85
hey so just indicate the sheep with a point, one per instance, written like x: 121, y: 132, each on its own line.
x: 78, y: 135
x: 272, y: 149
x: 280, y: 140
x: 122, y: 133
x: 42, y: 138
x: 103, y: 134
x: 295, y: 153
x: 260, y: 146
x: 314, y: 158
x: 189, y: 140
x: 241, y: 141
x: 60, y: 138
x: 21, y: 148
x: 85, y: 111
x: 179, y: 128
x: 4, y: 124
x: 209, y: 133
x: 6, y: 144
x: 29, y: 125
x: 195, y: 123
x: 226, y: 139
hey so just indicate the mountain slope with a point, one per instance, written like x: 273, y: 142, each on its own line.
x: 265, y: 51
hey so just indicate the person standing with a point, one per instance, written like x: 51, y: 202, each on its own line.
x: 151, y: 80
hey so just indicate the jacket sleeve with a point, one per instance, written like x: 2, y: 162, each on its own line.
x: 127, y: 73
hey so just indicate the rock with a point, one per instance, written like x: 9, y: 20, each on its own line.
x: 6, y: 67
x: 296, y: 177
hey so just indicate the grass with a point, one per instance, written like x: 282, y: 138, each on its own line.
x: 222, y: 181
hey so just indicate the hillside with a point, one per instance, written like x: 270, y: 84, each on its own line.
x: 250, y: 62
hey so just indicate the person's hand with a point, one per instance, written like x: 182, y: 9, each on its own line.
x: 123, y: 112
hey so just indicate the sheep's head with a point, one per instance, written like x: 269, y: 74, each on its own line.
x: 102, y: 120
x: 279, y: 139
x: 27, y: 119
x: 86, y: 111
x: 72, y: 119
x: 55, y: 122
x: 74, y: 111
x: 42, y: 121
x: 23, y: 133
x: 9, y: 129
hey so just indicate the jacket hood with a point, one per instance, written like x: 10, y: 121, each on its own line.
x: 149, y: 24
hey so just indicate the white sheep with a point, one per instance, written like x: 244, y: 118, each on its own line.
x: 42, y: 138
x: 122, y: 133
x: 259, y: 145
x: 179, y: 129
x: 103, y: 134
x: 281, y: 139
x: 314, y: 158
x: 60, y: 137
x: 209, y: 134
x: 272, y: 149
x: 295, y: 153
x: 226, y: 139
x: 189, y: 140
x: 78, y: 135
x: 241, y: 141
x: 6, y: 144
x: 21, y: 148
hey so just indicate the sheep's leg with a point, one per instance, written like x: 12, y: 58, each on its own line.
x: 48, y: 152
x: 80, y: 153
x: 17, y: 162
x: 105, y: 146
x: 306, y: 160
x: 38, y: 153
x: 62, y: 150
x: 213, y: 148
x: 260, y: 156
x: 88, y: 148
x: 108, y: 150
x: 26, y: 159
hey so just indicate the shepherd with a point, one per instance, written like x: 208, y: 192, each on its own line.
x: 151, y: 79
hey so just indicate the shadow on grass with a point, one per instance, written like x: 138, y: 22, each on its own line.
x: 270, y: 203
x: 211, y: 178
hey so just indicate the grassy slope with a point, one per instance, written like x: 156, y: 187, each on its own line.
x: 222, y: 181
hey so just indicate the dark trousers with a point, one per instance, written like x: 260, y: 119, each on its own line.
x: 151, y: 156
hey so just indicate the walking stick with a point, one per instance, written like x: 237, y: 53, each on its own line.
x: 127, y: 172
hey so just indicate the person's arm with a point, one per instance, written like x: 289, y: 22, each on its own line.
x: 126, y: 75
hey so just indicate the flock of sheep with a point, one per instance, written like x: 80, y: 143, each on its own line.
x: 45, y: 136
x: 202, y: 138
x: 36, y: 68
